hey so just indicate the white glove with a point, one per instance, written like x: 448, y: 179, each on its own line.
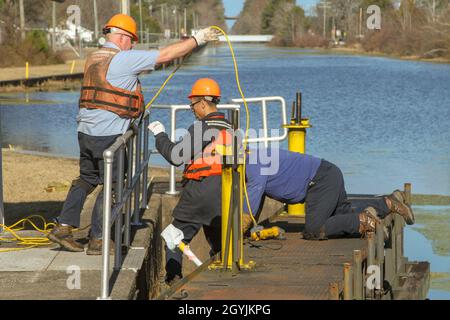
x: 173, y: 236
x: 156, y: 128
x: 206, y: 35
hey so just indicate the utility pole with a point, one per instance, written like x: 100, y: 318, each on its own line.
x: 141, y: 25
x: 185, y: 21
x: 125, y: 6
x: 95, y: 19
x: 53, y: 25
x: 175, y: 21
x: 22, y: 20
x: 360, y: 22
x: 434, y: 10
x: 324, y: 5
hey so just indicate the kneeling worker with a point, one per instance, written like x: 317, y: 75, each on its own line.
x: 303, y: 178
x: 200, y: 202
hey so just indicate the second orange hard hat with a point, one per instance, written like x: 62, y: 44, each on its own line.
x: 125, y: 23
x: 205, y: 87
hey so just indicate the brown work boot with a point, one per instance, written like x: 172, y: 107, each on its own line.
x: 95, y: 247
x: 396, y: 204
x: 63, y: 236
x: 246, y: 223
x: 368, y: 220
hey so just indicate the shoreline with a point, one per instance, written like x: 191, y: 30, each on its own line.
x: 359, y: 52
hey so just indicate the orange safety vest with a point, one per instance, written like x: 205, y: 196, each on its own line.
x: 209, y: 161
x: 98, y: 93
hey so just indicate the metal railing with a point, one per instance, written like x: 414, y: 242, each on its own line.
x: 174, y: 109
x: 125, y: 194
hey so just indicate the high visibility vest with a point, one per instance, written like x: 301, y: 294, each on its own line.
x: 98, y: 93
x: 209, y: 162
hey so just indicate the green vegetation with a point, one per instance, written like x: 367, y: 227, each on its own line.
x: 440, y: 281
x: 32, y: 44
x: 436, y: 228
x: 418, y: 28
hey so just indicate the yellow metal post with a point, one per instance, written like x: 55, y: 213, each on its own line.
x: 27, y: 69
x: 232, y: 254
x: 297, y: 143
x: 72, y: 67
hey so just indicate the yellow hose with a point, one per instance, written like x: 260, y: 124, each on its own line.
x: 29, y: 242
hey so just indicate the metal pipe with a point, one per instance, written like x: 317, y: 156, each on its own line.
x: 293, y: 118
x: 299, y: 107
x: 172, y: 185
x: 108, y: 157
x: 146, y: 159
x: 119, y: 199
x: 357, y: 275
x: 264, y: 121
x: 127, y: 223
x: 137, y: 192
x: 348, y: 283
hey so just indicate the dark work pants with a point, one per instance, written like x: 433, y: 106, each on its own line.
x: 328, y: 209
x: 91, y: 174
x: 174, y: 260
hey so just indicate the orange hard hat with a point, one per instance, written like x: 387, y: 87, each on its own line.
x: 123, y: 22
x: 205, y: 87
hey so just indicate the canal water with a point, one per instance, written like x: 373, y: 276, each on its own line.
x: 382, y: 121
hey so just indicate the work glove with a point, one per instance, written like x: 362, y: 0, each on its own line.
x: 173, y: 236
x: 206, y: 35
x: 156, y: 128
x: 247, y: 223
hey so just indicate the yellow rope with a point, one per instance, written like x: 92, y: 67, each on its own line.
x: 247, y: 126
x: 29, y: 242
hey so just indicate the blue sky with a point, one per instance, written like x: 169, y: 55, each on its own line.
x: 233, y: 7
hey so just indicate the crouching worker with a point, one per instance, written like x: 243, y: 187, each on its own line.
x: 299, y: 178
x: 199, y: 150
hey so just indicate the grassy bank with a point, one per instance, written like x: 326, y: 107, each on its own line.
x: 361, y: 52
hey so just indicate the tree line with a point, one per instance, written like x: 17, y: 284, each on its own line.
x: 408, y: 27
x: 33, y: 42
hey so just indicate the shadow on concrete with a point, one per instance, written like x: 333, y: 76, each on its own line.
x: 17, y: 211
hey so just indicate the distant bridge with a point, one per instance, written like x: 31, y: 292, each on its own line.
x: 247, y: 38
x: 231, y: 18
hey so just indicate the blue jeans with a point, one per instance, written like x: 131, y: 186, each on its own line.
x: 91, y: 175
x: 329, y: 210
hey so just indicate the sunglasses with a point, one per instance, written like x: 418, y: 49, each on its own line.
x: 192, y: 105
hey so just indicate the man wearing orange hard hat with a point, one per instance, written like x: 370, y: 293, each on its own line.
x: 200, y: 151
x: 111, y: 97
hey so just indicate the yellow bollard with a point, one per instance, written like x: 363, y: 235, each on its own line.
x: 297, y: 143
x: 232, y: 254
x: 27, y: 71
x: 72, y: 67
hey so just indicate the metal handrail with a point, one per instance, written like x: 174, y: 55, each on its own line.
x: 266, y: 139
x: 133, y: 188
x: 263, y: 100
